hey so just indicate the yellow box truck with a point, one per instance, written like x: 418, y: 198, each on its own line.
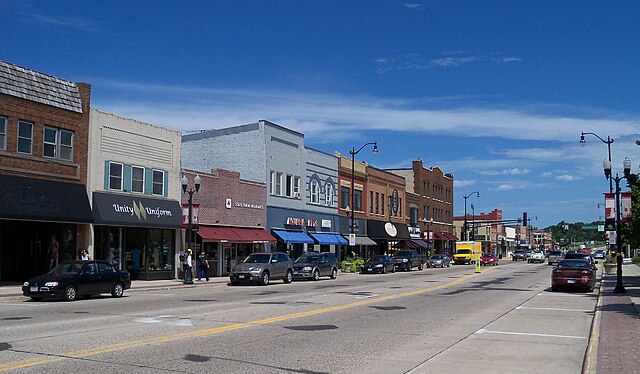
x: 467, y: 252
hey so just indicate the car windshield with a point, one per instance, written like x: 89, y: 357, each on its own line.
x: 520, y: 252
x: 463, y: 251
x: 555, y: 253
x: 376, y: 259
x: 402, y: 253
x: 579, y: 264
x: 437, y: 257
x: 307, y: 259
x: 67, y: 268
x: 257, y: 258
x: 487, y: 255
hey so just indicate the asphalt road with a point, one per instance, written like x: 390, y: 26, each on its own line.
x: 502, y: 320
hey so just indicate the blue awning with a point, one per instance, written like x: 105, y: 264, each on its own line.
x: 329, y: 239
x: 293, y: 236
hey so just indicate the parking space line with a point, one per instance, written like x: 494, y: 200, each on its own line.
x: 557, y: 309
x: 485, y: 331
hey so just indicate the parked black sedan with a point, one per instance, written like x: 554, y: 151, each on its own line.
x: 378, y: 264
x: 79, y: 278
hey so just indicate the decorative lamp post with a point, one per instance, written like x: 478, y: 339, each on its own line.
x: 607, y: 173
x: 353, y: 153
x: 464, y: 226
x: 188, y: 274
x: 473, y: 222
x: 608, y: 142
x: 428, y: 223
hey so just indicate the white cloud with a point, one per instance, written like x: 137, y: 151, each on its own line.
x: 63, y: 21
x: 546, y: 174
x: 463, y: 183
x: 414, y: 6
x: 512, y: 171
x: 414, y: 61
x: 505, y: 187
x: 567, y: 178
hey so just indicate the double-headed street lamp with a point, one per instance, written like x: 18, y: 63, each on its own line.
x: 608, y: 142
x: 607, y: 173
x: 429, y: 223
x: 188, y: 275
x: 353, y: 153
x: 464, y: 226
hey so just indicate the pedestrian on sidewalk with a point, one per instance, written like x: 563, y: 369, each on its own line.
x: 203, y: 266
x: 188, y: 267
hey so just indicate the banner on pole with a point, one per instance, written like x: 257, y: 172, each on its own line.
x: 625, y: 198
x: 610, y: 206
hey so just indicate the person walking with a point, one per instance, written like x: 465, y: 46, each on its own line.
x: 203, y: 266
x: 84, y: 256
x: 54, y: 248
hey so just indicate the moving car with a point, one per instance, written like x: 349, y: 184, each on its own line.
x: 536, y: 256
x: 315, y: 265
x: 573, y: 273
x: 519, y: 255
x: 576, y: 255
x: 599, y: 254
x: 553, y: 257
x: 261, y: 267
x: 79, y: 278
x: 408, y: 258
x: 438, y: 261
x: 379, y: 264
x: 489, y: 259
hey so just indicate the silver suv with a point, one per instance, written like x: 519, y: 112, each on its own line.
x: 261, y: 267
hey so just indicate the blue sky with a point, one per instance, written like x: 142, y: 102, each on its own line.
x: 495, y: 92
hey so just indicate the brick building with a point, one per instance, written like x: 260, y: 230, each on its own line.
x: 231, y: 215
x: 45, y: 212
x: 429, y: 205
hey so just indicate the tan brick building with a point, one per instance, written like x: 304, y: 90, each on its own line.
x: 45, y: 211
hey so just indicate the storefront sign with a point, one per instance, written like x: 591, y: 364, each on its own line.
x: 116, y: 209
x: 295, y: 221
x: 390, y: 229
x: 326, y: 223
x: 312, y: 222
x: 248, y: 205
x: 414, y: 232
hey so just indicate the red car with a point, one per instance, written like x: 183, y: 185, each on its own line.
x: 574, y: 274
x: 489, y: 259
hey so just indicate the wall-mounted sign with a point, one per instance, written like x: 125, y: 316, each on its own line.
x: 326, y: 223
x: 295, y: 221
x: 312, y: 222
x: 227, y: 204
x: 391, y: 230
x: 249, y: 205
x: 119, y: 209
x: 414, y: 232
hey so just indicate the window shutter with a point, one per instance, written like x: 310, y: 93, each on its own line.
x: 126, y: 178
x: 166, y: 184
x: 106, y: 175
x: 148, y: 181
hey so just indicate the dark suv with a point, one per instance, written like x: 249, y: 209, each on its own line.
x: 316, y: 265
x: 519, y: 255
x: 261, y: 267
x: 408, y: 258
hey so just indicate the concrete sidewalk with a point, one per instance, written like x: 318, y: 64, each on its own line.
x: 619, y: 330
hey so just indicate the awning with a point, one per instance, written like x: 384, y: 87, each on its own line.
x: 387, y: 230
x: 328, y: 239
x: 253, y: 235
x: 218, y: 234
x: 295, y: 237
x: 439, y: 236
x: 135, y: 210
x: 33, y: 199
x: 364, y: 240
x: 450, y: 236
x: 418, y: 244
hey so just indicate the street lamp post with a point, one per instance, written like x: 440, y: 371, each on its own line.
x: 529, y: 229
x: 608, y: 142
x: 464, y: 226
x: 353, y: 153
x: 188, y: 274
x: 428, y: 223
x: 473, y: 222
x: 607, y: 173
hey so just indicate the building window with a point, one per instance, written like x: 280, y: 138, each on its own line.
x: 158, y: 182
x: 329, y: 194
x: 288, y: 187
x: 296, y: 187
x: 278, y: 183
x: 58, y: 144
x: 378, y: 203
x: 382, y: 204
x: 272, y: 182
x: 358, y: 201
x: 3, y: 133
x: 115, y: 176
x: 25, y: 137
x: 137, y: 179
x: 344, y: 197
x: 413, y: 215
x: 370, y: 202
x: 315, y: 192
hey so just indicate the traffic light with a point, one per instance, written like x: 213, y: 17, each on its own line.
x: 524, y: 218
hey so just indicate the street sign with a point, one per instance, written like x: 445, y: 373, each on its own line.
x: 590, y: 227
x: 352, y: 239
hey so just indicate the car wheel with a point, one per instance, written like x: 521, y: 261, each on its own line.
x: 70, y: 293
x: 264, y: 279
x: 393, y: 269
x: 448, y: 264
x: 35, y: 298
x: 334, y: 273
x: 316, y: 275
x: 117, y: 290
x: 289, y: 277
x: 421, y: 266
x: 409, y: 266
x: 384, y: 269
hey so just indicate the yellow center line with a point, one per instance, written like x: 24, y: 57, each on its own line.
x: 216, y: 330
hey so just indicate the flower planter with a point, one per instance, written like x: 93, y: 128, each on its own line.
x: 610, y: 269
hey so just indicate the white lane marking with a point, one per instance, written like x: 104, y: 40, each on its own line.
x: 39, y: 305
x: 557, y: 309
x: 485, y: 331
x: 162, y: 319
x: 562, y: 294
x: 366, y: 296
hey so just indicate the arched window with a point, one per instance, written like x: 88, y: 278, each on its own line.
x: 315, y: 192
x: 329, y: 194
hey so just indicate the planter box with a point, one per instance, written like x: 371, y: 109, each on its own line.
x: 610, y: 269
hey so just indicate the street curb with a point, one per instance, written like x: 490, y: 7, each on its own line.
x: 590, y: 362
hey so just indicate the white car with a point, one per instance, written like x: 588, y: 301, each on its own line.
x: 536, y: 257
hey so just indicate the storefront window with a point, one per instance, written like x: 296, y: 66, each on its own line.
x: 159, y: 249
